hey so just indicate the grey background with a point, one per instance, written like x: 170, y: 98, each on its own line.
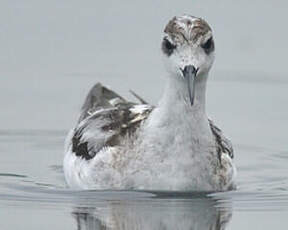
x: 52, y: 52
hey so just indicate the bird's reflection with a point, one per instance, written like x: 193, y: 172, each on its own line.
x: 158, y: 214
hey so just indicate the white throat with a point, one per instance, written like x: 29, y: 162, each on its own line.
x: 176, y: 123
x: 176, y: 94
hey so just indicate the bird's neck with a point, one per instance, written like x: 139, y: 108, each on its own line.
x: 174, y: 122
x: 175, y: 110
x: 176, y: 95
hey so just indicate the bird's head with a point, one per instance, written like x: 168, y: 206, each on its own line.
x: 188, y: 49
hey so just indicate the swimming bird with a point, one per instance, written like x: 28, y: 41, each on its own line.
x: 118, y: 144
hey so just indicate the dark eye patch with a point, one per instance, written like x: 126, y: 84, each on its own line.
x: 208, y: 46
x: 168, y: 47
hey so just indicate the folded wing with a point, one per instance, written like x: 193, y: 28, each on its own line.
x: 106, y: 118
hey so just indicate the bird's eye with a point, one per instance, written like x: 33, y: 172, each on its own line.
x: 208, y: 46
x: 167, y: 47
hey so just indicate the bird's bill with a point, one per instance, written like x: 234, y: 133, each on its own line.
x: 189, y: 74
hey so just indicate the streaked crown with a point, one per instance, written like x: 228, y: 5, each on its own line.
x: 188, y: 30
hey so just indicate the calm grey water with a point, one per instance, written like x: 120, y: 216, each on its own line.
x: 51, y: 54
x: 33, y: 192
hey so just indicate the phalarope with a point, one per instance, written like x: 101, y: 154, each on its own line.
x: 117, y: 144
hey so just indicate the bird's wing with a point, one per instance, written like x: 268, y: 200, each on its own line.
x: 105, y: 119
x: 224, y: 145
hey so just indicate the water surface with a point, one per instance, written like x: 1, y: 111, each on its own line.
x: 33, y: 191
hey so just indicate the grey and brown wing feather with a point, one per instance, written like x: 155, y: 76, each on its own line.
x: 99, y: 97
x: 105, y: 119
x: 223, y: 144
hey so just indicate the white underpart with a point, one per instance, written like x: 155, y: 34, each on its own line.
x: 176, y: 149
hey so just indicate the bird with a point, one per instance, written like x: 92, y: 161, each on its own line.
x: 122, y: 145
